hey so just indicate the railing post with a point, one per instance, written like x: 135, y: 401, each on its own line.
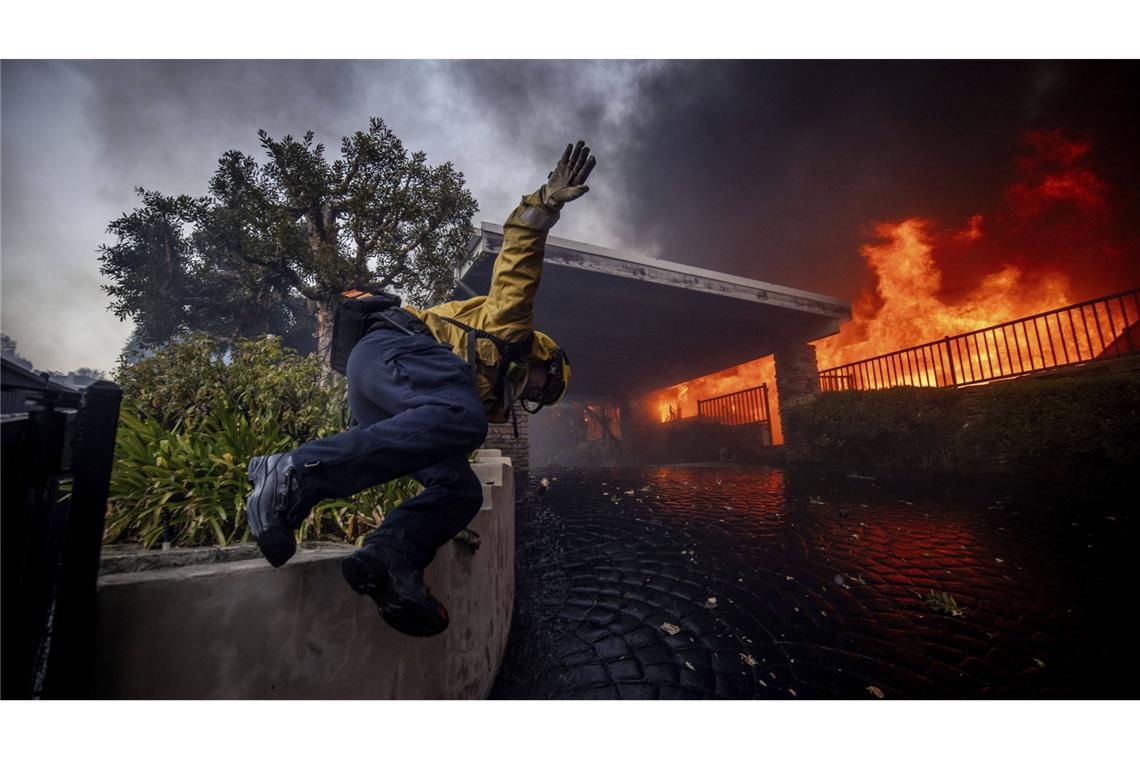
x: 950, y: 356
x: 72, y: 657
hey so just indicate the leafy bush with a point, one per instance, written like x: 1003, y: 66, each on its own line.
x: 895, y: 427
x: 1058, y: 426
x: 190, y: 423
x: 1038, y: 427
x: 188, y: 381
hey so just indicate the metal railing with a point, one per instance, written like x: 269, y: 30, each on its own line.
x: 1103, y: 328
x: 744, y: 407
x: 58, y: 450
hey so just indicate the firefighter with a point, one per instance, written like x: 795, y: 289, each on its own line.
x: 422, y: 386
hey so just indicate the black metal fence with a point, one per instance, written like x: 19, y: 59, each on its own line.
x: 749, y: 406
x: 58, y: 449
x: 1103, y: 328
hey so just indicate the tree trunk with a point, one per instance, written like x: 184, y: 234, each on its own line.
x: 324, y: 339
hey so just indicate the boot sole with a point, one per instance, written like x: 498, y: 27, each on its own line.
x: 277, y: 545
x: 367, y: 582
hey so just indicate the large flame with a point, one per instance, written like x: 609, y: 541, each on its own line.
x: 932, y: 280
x: 1017, y: 261
x: 906, y: 309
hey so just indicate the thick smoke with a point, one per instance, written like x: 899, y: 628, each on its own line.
x: 779, y: 170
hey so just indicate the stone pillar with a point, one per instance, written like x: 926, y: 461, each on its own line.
x: 797, y: 379
x: 502, y: 436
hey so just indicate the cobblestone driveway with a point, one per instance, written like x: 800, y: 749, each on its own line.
x: 760, y: 582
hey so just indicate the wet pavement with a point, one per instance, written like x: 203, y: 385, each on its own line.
x: 698, y: 582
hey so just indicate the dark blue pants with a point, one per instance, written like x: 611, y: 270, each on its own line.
x: 416, y: 414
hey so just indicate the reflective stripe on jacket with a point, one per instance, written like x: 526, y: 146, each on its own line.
x: 507, y: 311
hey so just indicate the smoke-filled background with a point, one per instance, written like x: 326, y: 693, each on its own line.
x: 818, y: 175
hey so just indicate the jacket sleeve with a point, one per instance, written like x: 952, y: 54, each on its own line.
x: 509, y: 308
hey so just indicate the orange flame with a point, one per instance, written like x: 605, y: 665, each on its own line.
x: 932, y: 282
x: 680, y: 400
x: 1019, y: 261
x: 905, y: 308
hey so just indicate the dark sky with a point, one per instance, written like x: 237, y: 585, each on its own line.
x: 772, y: 170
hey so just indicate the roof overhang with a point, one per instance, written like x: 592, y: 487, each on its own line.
x: 632, y: 324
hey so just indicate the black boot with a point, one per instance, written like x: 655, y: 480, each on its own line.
x: 398, y: 589
x: 277, y: 506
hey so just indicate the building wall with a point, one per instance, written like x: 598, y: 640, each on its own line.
x: 502, y: 437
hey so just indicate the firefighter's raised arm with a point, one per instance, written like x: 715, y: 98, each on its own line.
x: 518, y: 267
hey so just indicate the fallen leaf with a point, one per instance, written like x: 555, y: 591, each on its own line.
x: 711, y: 603
x: 749, y: 660
x: 671, y: 629
x: 875, y: 691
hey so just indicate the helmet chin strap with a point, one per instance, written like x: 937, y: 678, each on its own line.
x: 533, y: 398
x: 525, y: 402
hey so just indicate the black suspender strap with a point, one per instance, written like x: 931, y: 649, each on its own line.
x: 508, y: 351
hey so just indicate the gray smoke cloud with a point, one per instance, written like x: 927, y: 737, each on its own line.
x: 771, y: 170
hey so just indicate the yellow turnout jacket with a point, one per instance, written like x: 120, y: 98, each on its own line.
x: 507, y: 311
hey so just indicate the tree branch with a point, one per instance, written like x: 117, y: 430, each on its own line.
x: 294, y: 278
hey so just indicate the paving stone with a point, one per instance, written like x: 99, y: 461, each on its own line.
x: 655, y: 653
x: 612, y: 647
x: 643, y: 636
x: 637, y: 691
x: 662, y: 673
x: 591, y: 674
x: 626, y: 670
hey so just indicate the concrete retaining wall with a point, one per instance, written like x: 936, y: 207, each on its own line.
x: 242, y: 629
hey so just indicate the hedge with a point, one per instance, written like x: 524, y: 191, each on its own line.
x: 1039, y: 427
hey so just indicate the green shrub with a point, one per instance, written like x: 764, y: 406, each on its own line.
x: 189, y: 425
x: 896, y: 427
x: 188, y: 381
x: 1051, y: 428
x: 1059, y: 426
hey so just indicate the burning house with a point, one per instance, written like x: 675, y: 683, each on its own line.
x: 638, y: 330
